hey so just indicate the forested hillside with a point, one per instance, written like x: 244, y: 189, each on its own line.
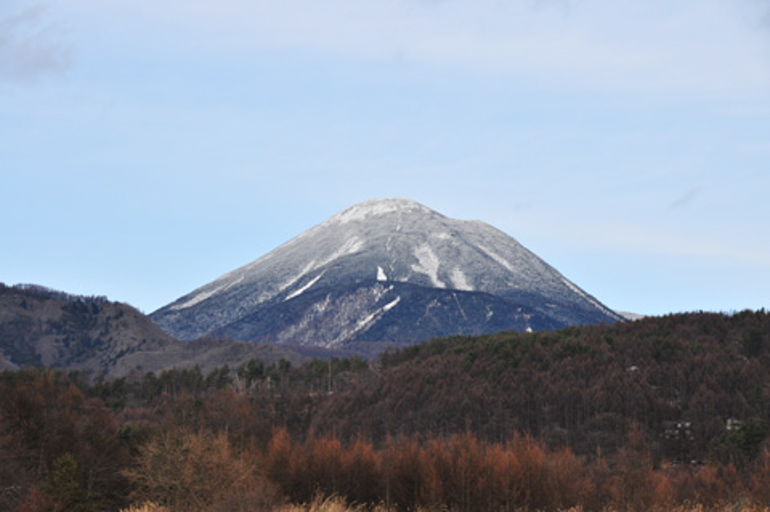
x: 47, y: 328
x: 580, y: 387
x: 44, y: 327
x: 634, y: 416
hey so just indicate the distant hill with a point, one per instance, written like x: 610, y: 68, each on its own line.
x: 630, y: 316
x: 386, y: 270
x: 580, y: 386
x: 41, y: 327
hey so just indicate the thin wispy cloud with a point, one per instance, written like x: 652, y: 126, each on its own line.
x: 685, y: 199
x: 687, y: 48
x: 31, y: 47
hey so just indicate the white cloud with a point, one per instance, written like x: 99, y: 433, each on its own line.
x: 29, y: 48
x: 693, y: 47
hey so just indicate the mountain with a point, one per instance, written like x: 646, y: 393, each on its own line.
x: 41, y: 327
x: 386, y: 270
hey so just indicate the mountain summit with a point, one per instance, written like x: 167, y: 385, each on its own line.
x: 386, y: 270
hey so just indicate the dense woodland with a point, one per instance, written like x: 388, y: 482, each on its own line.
x: 632, y: 416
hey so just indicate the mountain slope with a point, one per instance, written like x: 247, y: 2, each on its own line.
x: 349, y: 278
x: 40, y: 327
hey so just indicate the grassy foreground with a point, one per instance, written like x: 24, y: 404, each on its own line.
x: 337, y: 504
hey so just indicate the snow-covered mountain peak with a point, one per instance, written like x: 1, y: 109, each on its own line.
x: 378, y: 208
x: 395, y: 241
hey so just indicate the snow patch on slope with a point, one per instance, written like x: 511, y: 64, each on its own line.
x: 428, y: 263
x: 351, y: 246
x: 583, y: 294
x: 366, y: 322
x: 377, y: 207
x: 204, y: 295
x: 302, y: 290
x: 387, y: 307
x: 381, y: 275
x: 195, y: 300
x: 310, y: 266
x: 499, y: 259
x: 460, y: 281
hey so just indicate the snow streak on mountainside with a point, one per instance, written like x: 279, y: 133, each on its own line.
x: 385, y: 270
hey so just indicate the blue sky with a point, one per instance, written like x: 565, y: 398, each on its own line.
x: 146, y: 148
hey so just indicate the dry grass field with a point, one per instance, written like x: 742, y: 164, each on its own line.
x: 337, y: 504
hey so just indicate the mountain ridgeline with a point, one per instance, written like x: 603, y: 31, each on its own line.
x: 386, y: 270
x: 40, y: 327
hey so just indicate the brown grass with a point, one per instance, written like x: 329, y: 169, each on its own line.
x: 331, y: 504
x: 147, y: 506
x: 338, y: 504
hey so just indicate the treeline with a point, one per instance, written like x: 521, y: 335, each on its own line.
x: 42, y: 292
x: 635, y: 416
x: 459, y: 473
x: 316, y: 378
x: 64, y: 451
